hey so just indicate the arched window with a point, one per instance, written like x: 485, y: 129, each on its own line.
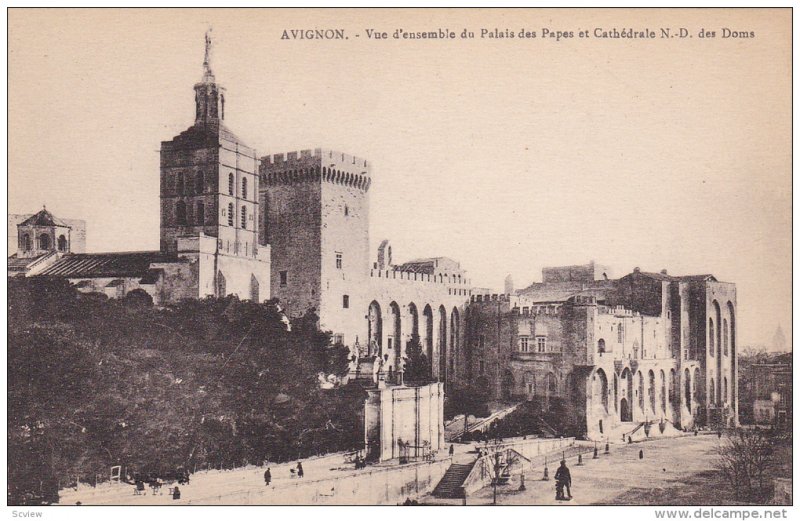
x: 201, y: 213
x: 180, y: 213
x: 601, y: 346
x: 244, y: 188
x: 230, y: 214
x: 712, y: 395
x: 230, y: 184
x: 25, y: 242
x: 244, y: 217
x: 62, y: 243
x: 724, y: 390
x: 44, y: 242
x: 711, y: 337
x: 199, y: 183
x: 179, y: 185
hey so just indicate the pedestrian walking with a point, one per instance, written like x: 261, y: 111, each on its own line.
x: 267, y: 476
x: 641, y: 454
x: 299, y: 470
x: 563, y: 480
x: 452, y: 449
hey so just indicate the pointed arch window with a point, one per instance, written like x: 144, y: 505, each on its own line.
x: 231, y: 184
x: 244, y: 188
x: 201, y: 213
x: 244, y: 217
x: 180, y: 213
x: 230, y: 214
x: 62, y: 243
x: 200, y: 184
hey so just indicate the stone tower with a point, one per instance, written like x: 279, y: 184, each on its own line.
x: 315, y: 214
x: 209, y: 181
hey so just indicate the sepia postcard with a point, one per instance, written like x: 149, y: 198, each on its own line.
x: 400, y: 256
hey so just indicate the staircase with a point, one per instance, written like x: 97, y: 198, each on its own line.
x: 451, y: 483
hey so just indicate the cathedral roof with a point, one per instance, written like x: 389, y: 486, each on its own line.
x: 92, y: 265
x: 43, y: 218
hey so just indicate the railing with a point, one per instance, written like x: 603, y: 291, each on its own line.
x: 504, y: 461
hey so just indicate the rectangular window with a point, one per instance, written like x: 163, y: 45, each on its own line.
x: 284, y: 278
x: 345, y: 301
x: 620, y: 331
x: 541, y: 344
x: 523, y: 344
x: 481, y: 341
x: 338, y: 339
x: 480, y: 366
x: 338, y: 261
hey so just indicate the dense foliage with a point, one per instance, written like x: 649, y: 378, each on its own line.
x: 211, y: 383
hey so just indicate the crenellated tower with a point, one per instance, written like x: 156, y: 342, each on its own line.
x: 315, y: 217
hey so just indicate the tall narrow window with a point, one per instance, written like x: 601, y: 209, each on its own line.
x: 711, y: 337
x: 541, y: 344
x: 345, y: 301
x: 199, y: 183
x: 524, y: 346
x: 44, y: 242
x: 230, y: 214
x: 25, y: 242
x: 180, y: 213
x: 179, y: 185
x: 620, y: 333
x: 231, y: 184
x: 244, y: 217
x: 201, y: 213
x: 244, y: 188
x: 284, y: 278
x: 338, y: 261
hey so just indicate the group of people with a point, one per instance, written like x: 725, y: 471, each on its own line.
x: 294, y: 472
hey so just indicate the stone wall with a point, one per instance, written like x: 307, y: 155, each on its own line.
x: 413, y: 415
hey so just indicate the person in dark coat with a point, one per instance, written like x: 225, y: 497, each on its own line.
x: 299, y: 470
x: 267, y: 476
x: 176, y: 493
x: 452, y: 449
x: 563, y: 480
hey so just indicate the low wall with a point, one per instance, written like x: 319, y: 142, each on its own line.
x: 375, y: 486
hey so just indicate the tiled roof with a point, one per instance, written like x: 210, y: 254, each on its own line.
x: 89, y: 265
x: 43, y: 218
x: 419, y: 266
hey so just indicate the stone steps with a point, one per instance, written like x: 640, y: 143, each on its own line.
x: 450, y: 486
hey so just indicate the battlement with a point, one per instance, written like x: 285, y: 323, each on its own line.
x: 617, y: 311
x: 318, y: 165
x: 321, y: 156
x: 455, y: 286
x: 490, y: 297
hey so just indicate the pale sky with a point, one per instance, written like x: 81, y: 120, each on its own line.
x: 505, y: 154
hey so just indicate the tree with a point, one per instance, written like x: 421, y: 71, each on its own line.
x: 745, y: 458
x: 417, y: 367
x: 469, y: 401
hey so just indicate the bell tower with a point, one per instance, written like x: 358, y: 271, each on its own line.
x: 209, y: 178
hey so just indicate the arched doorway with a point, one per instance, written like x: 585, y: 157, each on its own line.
x: 427, y: 315
x: 254, y: 289
x: 626, y: 402
x: 374, y: 329
x: 508, y: 384
x: 663, y: 393
x: 455, y: 330
x: 221, y: 285
x: 600, y: 390
x: 640, y: 391
x: 687, y: 389
x: 395, y: 340
x: 651, y: 391
x: 442, y: 362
